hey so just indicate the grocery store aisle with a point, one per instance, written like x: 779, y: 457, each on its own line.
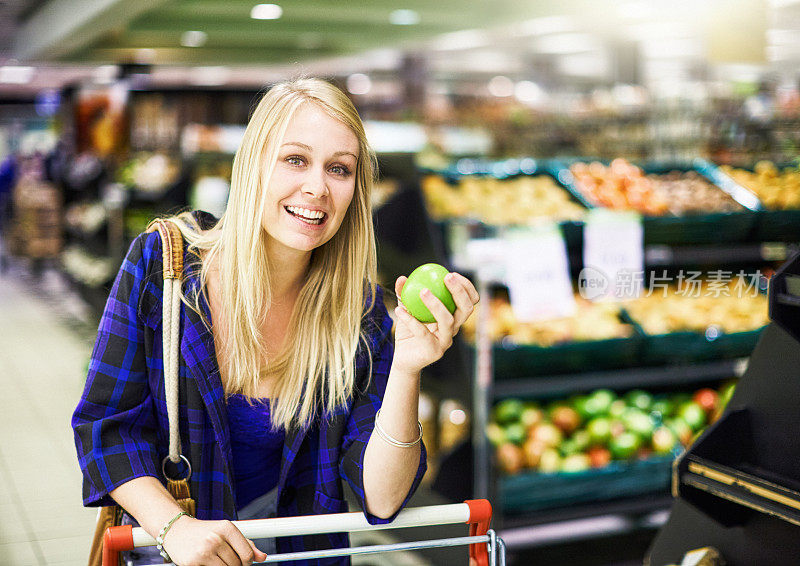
x: 42, y: 365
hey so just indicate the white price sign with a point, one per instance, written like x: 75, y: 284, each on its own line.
x: 613, y: 256
x: 537, y: 273
x: 486, y: 257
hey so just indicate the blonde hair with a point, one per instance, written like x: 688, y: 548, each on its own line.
x: 316, y: 368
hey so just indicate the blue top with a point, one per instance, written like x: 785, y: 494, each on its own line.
x: 256, y: 448
x: 121, y: 425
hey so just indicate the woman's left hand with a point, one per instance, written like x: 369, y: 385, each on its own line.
x: 418, y: 345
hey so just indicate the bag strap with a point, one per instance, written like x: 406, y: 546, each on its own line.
x: 172, y: 256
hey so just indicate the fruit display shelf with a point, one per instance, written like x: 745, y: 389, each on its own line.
x: 737, y: 488
x: 483, y: 197
x: 533, y: 491
x: 642, y: 377
x: 778, y: 188
x: 678, y: 327
x: 726, y: 217
x: 598, y: 335
x: 594, y: 446
x: 566, y: 367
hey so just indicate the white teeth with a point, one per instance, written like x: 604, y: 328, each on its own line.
x: 305, y: 213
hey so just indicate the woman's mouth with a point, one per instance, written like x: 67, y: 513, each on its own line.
x: 307, y: 216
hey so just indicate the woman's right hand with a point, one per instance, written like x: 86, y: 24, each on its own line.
x: 192, y: 542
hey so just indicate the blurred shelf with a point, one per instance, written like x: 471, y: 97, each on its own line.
x: 545, y: 386
x: 582, y: 522
x: 725, y: 254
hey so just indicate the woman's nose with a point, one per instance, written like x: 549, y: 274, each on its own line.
x: 315, y: 184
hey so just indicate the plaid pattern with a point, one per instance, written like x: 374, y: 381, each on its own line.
x: 121, y: 427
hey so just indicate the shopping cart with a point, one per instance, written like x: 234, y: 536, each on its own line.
x: 485, y: 547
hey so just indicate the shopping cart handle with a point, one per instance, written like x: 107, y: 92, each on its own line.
x: 477, y: 513
x: 480, y: 515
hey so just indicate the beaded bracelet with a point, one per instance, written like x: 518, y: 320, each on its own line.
x: 393, y: 441
x: 163, y: 532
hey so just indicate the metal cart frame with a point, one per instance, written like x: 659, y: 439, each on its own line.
x: 485, y: 547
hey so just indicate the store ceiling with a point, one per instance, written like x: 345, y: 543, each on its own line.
x: 464, y: 42
x: 117, y: 31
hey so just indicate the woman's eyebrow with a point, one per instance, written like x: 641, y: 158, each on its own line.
x: 298, y: 144
x: 308, y: 148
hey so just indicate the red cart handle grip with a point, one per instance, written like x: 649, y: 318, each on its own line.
x: 114, y: 540
x: 480, y: 515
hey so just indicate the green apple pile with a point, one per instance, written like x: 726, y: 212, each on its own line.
x: 595, y: 429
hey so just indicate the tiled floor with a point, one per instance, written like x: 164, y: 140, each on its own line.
x: 42, y: 365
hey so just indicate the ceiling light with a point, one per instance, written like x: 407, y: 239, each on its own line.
x: 404, y: 17
x: 144, y: 55
x: 458, y: 417
x: 105, y: 74
x: 530, y: 92
x: 17, y: 75
x: 635, y: 10
x: 546, y: 25
x: 591, y: 64
x: 689, y: 48
x: 194, y: 38
x: 782, y: 36
x: 358, y: 83
x: 464, y: 39
x: 501, y: 86
x: 210, y: 76
x: 566, y: 43
x: 658, y: 30
x: 266, y: 12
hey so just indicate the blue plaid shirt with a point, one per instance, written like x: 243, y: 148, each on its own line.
x: 121, y: 425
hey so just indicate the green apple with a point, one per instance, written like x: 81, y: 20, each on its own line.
x: 581, y: 439
x: 637, y: 421
x: 664, y: 440
x: 515, y: 433
x: 604, y: 398
x: 693, y: 414
x: 576, y: 463
x: 599, y: 430
x: 617, y: 408
x: 550, y: 461
x: 625, y: 445
x: 428, y: 276
x: 508, y: 411
x: 639, y: 399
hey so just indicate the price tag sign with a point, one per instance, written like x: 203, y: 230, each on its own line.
x: 486, y: 257
x: 537, y: 274
x: 613, y: 256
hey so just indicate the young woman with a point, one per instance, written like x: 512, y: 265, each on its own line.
x: 286, y: 353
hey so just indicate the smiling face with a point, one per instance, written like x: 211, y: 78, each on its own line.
x: 312, y: 183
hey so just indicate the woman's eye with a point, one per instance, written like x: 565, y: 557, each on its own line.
x: 295, y: 160
x: 340, y: 170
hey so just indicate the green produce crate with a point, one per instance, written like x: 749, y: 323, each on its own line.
x: 777, y: 226
x: 534, y: 491
x: 509, y: 169
x: 692, y: 228
x: 770, y: 225
x: 679, y: 347
x: 520, y: 361
x: 698, y: 228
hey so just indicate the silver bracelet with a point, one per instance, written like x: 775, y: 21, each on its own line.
x: 163, y: 532
x: 393, y: 441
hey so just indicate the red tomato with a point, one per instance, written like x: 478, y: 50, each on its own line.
x: 706, y: 398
